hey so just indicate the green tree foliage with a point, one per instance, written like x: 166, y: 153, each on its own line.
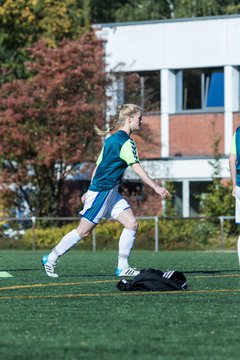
x: 137, y: 10
x: 104, y: 11
x: 59, y: 20
x: 218, y: 201
x: 192, y: 8
x: 23, y: 22
x: 233, y: 7
x: 46, y: 122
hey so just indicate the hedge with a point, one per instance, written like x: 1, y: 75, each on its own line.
x: 188, y: 234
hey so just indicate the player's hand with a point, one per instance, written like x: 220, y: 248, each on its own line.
x: 162, y: 192
x: 83, y: 198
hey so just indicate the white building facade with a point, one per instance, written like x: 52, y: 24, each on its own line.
x: 189, y: 69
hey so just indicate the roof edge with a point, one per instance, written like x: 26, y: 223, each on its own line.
x: 163, y: 21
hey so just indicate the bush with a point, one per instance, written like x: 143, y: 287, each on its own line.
x: 188, y: 234
x: 46, y: 237
x: 173, y: 234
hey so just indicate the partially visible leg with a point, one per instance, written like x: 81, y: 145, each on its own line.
x: 237, y: 217
x: 238, y: 249
x: 126, y: 240
x: 68, y: 241
x: 71, y: 239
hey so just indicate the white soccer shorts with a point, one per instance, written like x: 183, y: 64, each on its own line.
x: 103, y: 204
x: 237, y: 205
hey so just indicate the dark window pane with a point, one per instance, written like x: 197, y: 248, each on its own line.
x: 151, y: 92
x: 132, y: 89
x: 143, y: 89
x: 201, y: 88
x: 177, y: 198
x: 192, y: 89
x: 196, y: 189
x: 133, y: 189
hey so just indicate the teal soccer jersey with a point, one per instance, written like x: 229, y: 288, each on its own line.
x: 119, y: 151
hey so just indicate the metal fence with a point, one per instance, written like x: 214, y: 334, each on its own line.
x: 34, y: 222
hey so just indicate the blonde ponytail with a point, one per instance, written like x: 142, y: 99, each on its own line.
x: 119, y: 119
x: 100, y: 132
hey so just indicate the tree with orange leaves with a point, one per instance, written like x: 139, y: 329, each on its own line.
x: 46, y: 121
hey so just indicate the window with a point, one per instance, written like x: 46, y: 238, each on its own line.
x: 142, y: 88
x: 200, y: 89
x: 132, y: 188
x: 197, y: 188
x: 177, y: 198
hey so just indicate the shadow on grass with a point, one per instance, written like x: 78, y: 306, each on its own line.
x: 208, y: 272
x: 211, y: 272
x: 62, y: 276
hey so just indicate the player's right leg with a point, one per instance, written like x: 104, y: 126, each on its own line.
x: 92, y: 213
x: 68, y: 241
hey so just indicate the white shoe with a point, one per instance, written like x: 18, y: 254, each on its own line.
x: 127, y: 272
x: 49, y: 268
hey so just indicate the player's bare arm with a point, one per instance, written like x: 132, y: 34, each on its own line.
x: 138, y: 169
x: 232, y: 166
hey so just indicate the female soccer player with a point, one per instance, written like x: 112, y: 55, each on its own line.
x: 234, y: 164
x: 102, y: 199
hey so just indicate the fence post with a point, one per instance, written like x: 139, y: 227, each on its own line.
x: 94, y: 239
x: 221, y: 218
x: 156, y: 233
x: 33, y: 218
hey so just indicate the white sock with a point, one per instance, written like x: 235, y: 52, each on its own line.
x: 68, y: 241
x: 126, y: 243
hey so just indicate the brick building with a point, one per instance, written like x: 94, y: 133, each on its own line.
x: 185, y: 75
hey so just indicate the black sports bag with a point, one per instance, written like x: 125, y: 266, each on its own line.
x: 155, y: 280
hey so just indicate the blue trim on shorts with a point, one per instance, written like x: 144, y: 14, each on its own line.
x: 93, y: 222
x: 92, y: 212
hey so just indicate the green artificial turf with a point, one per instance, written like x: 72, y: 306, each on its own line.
x: 82, y: 315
